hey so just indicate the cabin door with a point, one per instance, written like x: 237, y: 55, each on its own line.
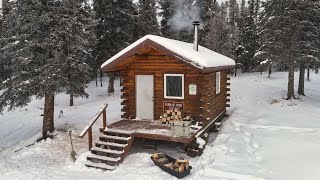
x: 144, y: 97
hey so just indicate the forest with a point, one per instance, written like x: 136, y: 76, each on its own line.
x: 49, y: 47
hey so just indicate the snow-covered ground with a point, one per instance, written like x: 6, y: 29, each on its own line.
x: 265, y: 137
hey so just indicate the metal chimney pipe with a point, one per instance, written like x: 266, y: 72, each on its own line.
x: 196, y: 31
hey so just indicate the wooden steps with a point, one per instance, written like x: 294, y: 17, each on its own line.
x: 110, y: 150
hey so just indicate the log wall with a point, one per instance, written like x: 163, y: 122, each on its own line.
x: 152, y: 62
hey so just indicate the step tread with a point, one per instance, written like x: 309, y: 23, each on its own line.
x: 105, y: 158
x: 99, y: 165
x: 115, y: 137
x: 112, y: 144
x: 118, y: 131
x: 107, y: 150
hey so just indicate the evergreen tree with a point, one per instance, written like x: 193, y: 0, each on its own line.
x: 5, y: 72
x: 147, y: 18
x: 218, y: 37
x: 74, y: 36
x: 278, y: 21
x: 249, y: 39
x: 166, y: 13
x: 115, y: 30
x: 36, y: 45
x: 308, y: 16
x: 206, y: 7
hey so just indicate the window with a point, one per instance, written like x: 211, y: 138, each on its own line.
x: 174, y: 86
x: 218, y: 81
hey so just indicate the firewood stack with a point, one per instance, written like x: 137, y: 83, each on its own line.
x: 180, y: 165
x: 171, y: 115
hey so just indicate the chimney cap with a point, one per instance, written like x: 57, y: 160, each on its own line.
x: 196, y: 23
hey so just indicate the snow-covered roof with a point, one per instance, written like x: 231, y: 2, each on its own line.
x: 202, y: 59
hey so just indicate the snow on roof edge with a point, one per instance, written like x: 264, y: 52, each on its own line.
x: 204, y: 58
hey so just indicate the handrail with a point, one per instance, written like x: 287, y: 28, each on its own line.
x: 88, y: 128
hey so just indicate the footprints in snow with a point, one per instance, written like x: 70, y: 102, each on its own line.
x: 248, y: 137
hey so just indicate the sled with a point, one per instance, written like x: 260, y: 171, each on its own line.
x: 163, y: 164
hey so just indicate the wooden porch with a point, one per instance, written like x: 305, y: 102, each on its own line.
x: 115, y: 140
x: 150, y: 130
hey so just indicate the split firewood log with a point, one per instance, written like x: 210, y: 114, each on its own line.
x: 165, y: 115
x: 181, y: 168
x: 158, y: 155
x: 176, y: 110
x: 173, y: 113
x: 179, y: 113
x: 169, y: 165
x: 182, y: 161
x: 171, y: 110
x: 168, y: 111
x: 176, y: 117
x: 163, y: 160
x: 168, y: 118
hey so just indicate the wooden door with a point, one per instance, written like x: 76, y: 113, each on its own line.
x: 144, y: 97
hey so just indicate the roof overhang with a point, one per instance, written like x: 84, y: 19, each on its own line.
x: 110, y: 67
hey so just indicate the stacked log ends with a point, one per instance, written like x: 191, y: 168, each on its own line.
x: 171, y: 115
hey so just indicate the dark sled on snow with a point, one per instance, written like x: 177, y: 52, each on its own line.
x: 179, y: 175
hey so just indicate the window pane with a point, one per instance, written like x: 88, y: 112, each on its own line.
x: 174, y: 86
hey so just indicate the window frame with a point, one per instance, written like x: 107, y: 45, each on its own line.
x: 165, y: 86
x: 218, y: 84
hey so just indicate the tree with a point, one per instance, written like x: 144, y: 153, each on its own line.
x: 5, y: 72
x: 147, y: 18
x: 74, y: 32
x: 167, y: 11
x: 36, y: 46
x: 279, y: 20
x: 248, y: 38
x: 218, y: 37
x: 307, y: 14
x: 115, y: 30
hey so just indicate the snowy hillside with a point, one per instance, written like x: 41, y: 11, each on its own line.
x: 265, y: 137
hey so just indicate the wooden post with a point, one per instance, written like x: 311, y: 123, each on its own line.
x: 104, y: 122
x: 90, y: 137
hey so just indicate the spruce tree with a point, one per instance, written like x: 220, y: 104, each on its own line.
x: 287, y: 36
x: 36, y: 44
x: 73, y: 30
x: 147, y: 18
x: 249, y: 39
x: 115, y: 30
x: 167, y: 11
x: 218, y: 36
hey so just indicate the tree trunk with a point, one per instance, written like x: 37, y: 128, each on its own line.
x: 301, y: 79
x: 111, y: 83
x: 290, y: 94
x: 48, y: 116
x: 308, y: 76
x: 96, y: 79
x: 235, y: 72
x: 316, y: 70
x: 269, y: 74
x: 101, y: 78
x: 71, y: 99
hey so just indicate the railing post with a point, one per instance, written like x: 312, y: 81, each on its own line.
x: 90, y: 137
x: 104, y: 116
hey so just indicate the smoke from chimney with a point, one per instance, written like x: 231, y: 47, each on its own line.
x: 185, y: 12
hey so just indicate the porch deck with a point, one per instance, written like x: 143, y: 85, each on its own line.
x: 150, y: 130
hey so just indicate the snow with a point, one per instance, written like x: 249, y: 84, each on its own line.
x: 204, y: 58
x: 265, y: 137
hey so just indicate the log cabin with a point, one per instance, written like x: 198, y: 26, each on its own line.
x: 162, y: 76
